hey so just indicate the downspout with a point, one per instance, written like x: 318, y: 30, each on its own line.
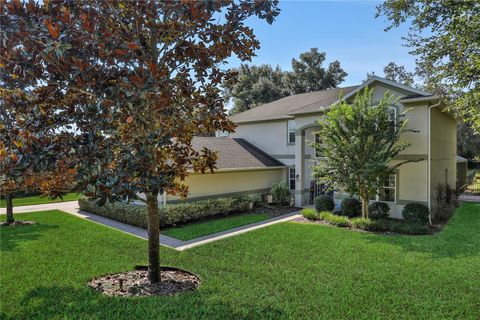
x: 429, y: 160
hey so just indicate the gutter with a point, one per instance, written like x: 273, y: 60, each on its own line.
x: 419, y: 99
x: 429, y: 160
x: 191, y: 172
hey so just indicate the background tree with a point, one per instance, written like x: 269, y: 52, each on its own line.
x: 468, y: 143
x: 444, y: 36
x: 309, y: 75
x: 128, y: 84
x: 255, y: 86
x: 397, y: 73
x: 359, y: 143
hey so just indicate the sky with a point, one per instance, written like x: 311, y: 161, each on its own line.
x: 345, y: 30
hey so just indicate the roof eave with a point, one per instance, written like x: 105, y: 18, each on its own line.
x: 420, y: 99
x: 239, y: 169
x: 283, y: 117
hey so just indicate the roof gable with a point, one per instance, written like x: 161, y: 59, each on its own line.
x: 287, y: 107
x: 314, y: 102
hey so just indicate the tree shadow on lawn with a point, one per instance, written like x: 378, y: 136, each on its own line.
x: 69, y: 303
x: 459, y: 238
x: 11, y: 236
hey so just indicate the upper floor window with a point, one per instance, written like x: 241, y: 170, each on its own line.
x: 291, y: 131
x: 393, y: 115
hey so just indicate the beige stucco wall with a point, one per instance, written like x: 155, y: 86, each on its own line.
x: 204, y: 185
x: 443, y: 150
x: 269, y: 136
x: 412, y: 182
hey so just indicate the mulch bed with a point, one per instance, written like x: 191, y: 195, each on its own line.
x: 433, y: 229
x: 274, y: 211
x: 136, y: 283
x: 17, y: 223
x: 305, y: 220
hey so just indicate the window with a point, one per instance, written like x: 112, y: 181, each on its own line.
x: 387, y: 191
x: 318, y: 141
x: 291, y: 178
x: 393, y: 115
x: 222, y: 134
x: 291, y: 131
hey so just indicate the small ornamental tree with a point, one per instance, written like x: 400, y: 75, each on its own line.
x: 359, y: 142
x: 134, y: 81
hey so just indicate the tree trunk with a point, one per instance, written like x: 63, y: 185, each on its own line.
x: 9, y: 206
x: 153, y: 238
x: 364, y: 207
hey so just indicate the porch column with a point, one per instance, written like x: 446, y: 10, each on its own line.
x: 300, y: 197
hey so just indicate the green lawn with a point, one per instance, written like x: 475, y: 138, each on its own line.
x: 199, y: 229
x: 285, y: 271
x: 27, y: 201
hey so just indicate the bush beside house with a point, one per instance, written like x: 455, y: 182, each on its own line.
x: 280, y: 193
x: 415, y: 213
x: 415, y: 218
x: 378, y: 210
x: 351, y: 207
x: 324, y: 203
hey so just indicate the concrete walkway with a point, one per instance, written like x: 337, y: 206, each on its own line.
x: 72, y: 208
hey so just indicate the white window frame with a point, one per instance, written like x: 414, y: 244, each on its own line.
x: 290, y: 129
x: 394, y: 120
x: 290, y: 178
x: 395, y: 117
x: 377, y: 197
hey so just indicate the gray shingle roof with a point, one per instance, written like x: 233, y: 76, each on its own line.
x: 235, y: 153
x: 286, y: 108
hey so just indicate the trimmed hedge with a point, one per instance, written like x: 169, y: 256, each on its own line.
x: 415, y: 213
x: 378, y: 210
x: 324, y: 203
x: 170, y: 215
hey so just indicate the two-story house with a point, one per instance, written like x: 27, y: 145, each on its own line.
x: 272, y: 143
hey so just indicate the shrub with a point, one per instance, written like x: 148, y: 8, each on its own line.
x: 369, y: 225
x: 324, y: 203
x: 256, y: 198
x: 280, y: 193
x: 171, y: 214
x: 351, y: 207
x: 408, y: 228
x: 378, y: 210
x: 310, y: 214
x: 415, y: 213
x: 335, y: 220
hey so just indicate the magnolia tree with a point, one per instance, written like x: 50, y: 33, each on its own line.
x: 20, y: 143
x: 359, y: 142
x: 128, y: 84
